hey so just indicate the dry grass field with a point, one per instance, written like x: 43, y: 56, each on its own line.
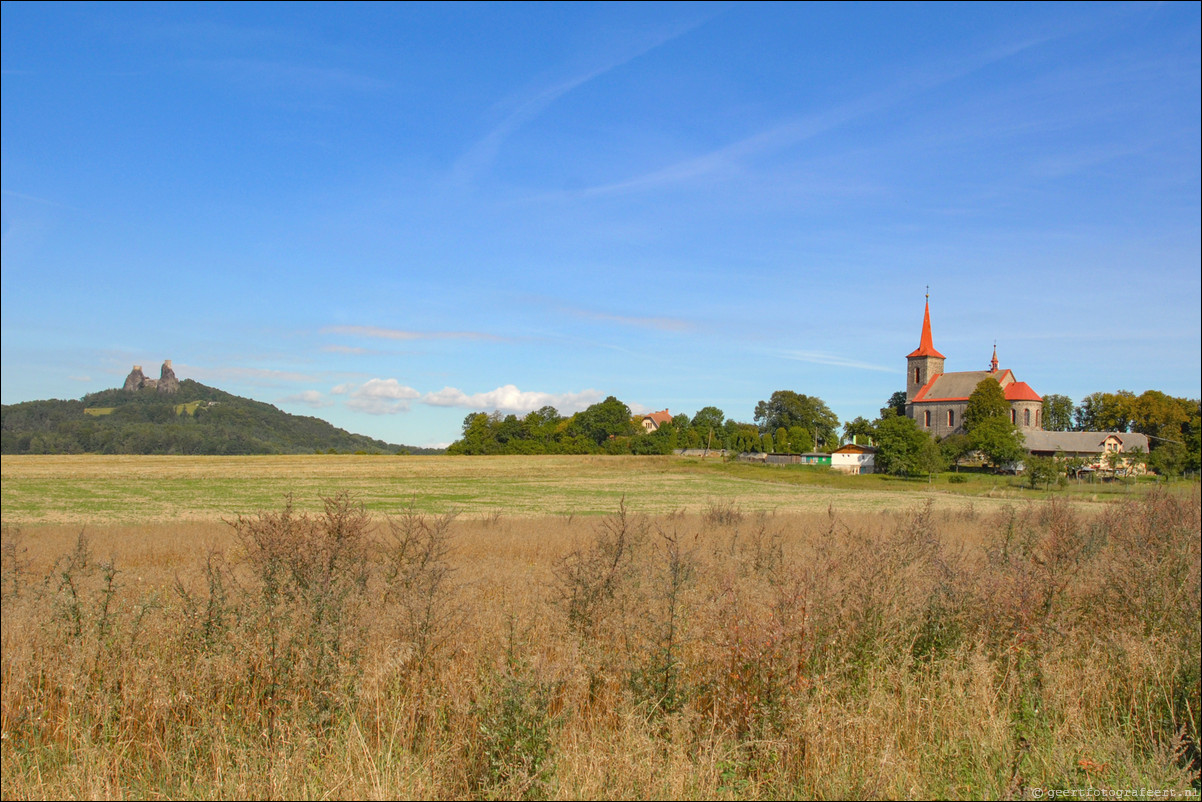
x: 125, y: 489
x: 583, y: 628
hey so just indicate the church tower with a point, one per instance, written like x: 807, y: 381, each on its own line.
x: 923, y: 363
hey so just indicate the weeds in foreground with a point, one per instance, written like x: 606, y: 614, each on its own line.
x: 716, y: 655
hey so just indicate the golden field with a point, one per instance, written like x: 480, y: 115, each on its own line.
x: 584, y: 628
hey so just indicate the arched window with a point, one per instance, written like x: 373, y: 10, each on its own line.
x: 916, y: 375
x: 926, y: 419
x: 951, y: 419
x: 1026, y: 417
x: 1013, y: 416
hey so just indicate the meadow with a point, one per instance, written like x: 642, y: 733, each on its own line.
x: 588, y: 627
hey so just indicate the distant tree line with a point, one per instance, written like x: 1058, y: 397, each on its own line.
x: 786, y: 422
x: 196, y: 420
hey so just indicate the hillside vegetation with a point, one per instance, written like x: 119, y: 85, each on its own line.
x: 195, y: 420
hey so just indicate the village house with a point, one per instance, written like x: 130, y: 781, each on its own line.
x: 653, y: 420
x: 853, y: 458
x: 1092, y: 448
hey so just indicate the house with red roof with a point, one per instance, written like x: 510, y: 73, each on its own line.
x: 653, y: 420
x: 936, y: 400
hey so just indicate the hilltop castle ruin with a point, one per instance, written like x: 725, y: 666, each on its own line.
x: 165, y: 383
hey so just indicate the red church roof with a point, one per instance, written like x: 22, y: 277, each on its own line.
x: 926, y: 344
x: 1021, y: 391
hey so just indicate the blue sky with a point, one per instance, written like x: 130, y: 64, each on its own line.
x: 390, y: 216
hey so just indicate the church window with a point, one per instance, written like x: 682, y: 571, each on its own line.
x: 916, y: 375
x: 926, y: 419
x: 1026, y: 417
x: 1013, y: 417
x: 951, y: 418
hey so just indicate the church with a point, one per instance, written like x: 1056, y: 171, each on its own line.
x: 937, y: 400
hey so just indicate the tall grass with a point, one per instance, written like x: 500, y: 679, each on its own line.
x: 713, y: 655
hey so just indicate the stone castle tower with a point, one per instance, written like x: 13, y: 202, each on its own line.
x: 166, y: 383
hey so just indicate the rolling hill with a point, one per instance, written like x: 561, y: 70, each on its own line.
x: 196, y: 419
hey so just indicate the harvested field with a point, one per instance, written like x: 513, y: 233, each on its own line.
x: 123, y: 489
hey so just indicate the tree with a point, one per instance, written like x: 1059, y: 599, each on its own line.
x: 542, y: 424
x: 603, y: 420
x: 897, y: 403
x: 787, y: 408
x: 1169, y: 459
x: 998, y: 439
x: 1057, y: 413
x: 708, y: 423
x: 987, y: 401
x: 1105, y: 412
x: 900, y: 446
x: 858, y: 428
x: 955, y: 447
x: 930, y: 459
x: 1161, y: 417
x: 800, y: 440
x: 1041, y: 470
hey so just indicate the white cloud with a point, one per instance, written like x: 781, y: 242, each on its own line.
x: 378, y: 396
x: 389, y: 397
x: 510, y: 399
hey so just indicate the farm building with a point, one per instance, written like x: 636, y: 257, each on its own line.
x: 853, y: 458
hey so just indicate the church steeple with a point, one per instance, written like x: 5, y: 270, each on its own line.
x: 923, y: 363
x: 993, y: 362
x: 926, y: 343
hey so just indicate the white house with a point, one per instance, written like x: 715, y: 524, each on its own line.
x: 853, y: 458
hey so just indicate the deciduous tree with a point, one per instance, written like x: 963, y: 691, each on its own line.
x: 787, y: 408
x: 987, y: 401
x: 1057, y: 413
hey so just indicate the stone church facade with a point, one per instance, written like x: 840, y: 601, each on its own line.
x: 936, y: 400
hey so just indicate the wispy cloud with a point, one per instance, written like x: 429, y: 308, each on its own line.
x: 480, y: 156
x: 251, y: 375
x: 834, y: 360
x: 261, y: 74
x: 35, y: 199
x: 344, y: 349
x: 311, y: 398
x: 733, y: 160
x: 658, y: 323
x: 378, y: 333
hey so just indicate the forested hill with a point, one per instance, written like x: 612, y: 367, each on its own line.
x: 196, y: 419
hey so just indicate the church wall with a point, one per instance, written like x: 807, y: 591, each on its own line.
x: 939, y: 426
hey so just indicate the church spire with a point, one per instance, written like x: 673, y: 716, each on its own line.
x: 926, y: 344
x: 993, y: 362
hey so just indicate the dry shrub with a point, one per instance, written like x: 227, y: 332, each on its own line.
x: 715, y: 655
